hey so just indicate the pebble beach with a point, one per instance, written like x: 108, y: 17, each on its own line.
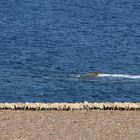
x: 69, y: 121
x: 69, y: 125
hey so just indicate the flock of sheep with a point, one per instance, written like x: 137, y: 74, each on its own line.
x: 70, y: 106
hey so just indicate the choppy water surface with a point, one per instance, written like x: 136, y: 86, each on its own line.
x: 45, y: 45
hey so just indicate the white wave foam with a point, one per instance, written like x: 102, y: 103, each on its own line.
x: 120, y: 76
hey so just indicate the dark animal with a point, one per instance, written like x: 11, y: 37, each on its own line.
x: 90, y: 75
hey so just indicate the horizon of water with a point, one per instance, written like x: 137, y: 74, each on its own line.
x: 46, y: 45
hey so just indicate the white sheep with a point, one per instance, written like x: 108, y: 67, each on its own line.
x: 98, y: 106
x: 9, y: 106
x: 70, y: 106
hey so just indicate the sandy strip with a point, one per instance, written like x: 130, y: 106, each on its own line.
x: 69, y: 125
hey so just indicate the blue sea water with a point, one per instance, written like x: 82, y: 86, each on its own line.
x: 46, y: 44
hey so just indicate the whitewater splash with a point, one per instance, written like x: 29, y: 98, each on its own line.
x: 120, y: 76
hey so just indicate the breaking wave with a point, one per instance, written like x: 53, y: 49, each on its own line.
x: 120, y: 76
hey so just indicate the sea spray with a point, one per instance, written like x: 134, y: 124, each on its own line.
x: 120, y: 76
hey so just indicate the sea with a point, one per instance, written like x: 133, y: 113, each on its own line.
x: 46, y: 45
